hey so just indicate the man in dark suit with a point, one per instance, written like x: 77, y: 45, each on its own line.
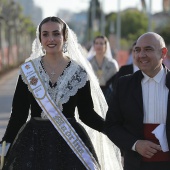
x: 126, y: 69
x: 138, y: 119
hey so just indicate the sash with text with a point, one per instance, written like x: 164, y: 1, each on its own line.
x: 56, y: 117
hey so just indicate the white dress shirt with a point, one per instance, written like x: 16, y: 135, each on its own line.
x: 135, y: 68
x: 155, y: 98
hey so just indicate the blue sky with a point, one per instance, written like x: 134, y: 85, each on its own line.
x: 51, y: 7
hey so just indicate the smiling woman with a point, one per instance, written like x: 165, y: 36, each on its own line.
x: 52, y: 40
x: 52, y: 84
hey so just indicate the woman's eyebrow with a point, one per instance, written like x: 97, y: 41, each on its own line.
x: 52, y: 31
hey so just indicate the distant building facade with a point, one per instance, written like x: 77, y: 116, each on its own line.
x: 76, y: 21
x: 31, y: 10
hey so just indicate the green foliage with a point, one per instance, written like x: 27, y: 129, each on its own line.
x: 133, y: 24
x: 110, y: 20
x: 29, y: 24
x: 165, y: 33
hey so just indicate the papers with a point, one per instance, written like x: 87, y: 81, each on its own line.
x: 160, y: 134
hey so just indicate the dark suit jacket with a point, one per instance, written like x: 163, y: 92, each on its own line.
x: 124, y: 120
x: 124, y: 70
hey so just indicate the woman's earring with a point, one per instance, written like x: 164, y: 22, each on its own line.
x: 64, y: 47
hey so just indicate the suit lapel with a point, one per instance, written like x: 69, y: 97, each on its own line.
x: 168, y: 107
x: 168, y: 86
x: 137, y: 89
x: 131, y: 69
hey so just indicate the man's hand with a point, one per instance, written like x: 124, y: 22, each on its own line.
x: 147, y: 148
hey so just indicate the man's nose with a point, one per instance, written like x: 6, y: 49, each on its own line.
x: 142, y: 53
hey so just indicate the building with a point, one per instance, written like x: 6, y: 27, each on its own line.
x: 76, y: 21
x: 31, y: 10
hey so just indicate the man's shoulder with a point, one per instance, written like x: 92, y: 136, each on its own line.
x: 132, y: 77
x: 126, y: 66
x: 126, y: 69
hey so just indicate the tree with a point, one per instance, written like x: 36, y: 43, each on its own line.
x: 165, y: 33
x: 14, y: 27
x: 134, y: 23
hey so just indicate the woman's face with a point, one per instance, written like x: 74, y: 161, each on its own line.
x: 100, y: 46
x: 52, y: 37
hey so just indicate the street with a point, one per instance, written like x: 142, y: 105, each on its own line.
x: 7, y: 87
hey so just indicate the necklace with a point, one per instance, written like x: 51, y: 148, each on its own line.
x: 52, y: 73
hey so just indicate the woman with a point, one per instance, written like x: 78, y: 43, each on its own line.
x: 103, y: 64
x: 53, y: 82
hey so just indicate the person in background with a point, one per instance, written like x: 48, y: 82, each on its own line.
x: 103, y: 64
x: 126, y: 69
x: 52, y: 83
x: 130, y: 57
x: 138, y: 119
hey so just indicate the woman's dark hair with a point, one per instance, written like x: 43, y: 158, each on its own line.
x: 101, y: 36
x: 53, y: 19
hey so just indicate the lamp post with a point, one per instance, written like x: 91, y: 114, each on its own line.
x: 150, y: 16
x: 118, y: 32
x: 93, y: 18
x: 102, y: 18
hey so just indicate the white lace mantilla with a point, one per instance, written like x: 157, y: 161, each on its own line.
x: 73, y: 78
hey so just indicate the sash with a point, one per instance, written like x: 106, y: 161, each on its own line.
x: 56, y: 117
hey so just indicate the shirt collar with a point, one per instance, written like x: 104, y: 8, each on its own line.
x: 157, y: 77
x: 135, y: 68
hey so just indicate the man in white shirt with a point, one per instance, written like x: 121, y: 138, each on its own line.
x: 138, y: 119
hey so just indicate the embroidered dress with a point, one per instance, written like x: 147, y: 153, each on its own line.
x: 38, y: 146
x: 76, y: 91
x: 105, y: 73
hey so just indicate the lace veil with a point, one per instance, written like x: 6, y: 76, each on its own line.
x: 108, y: 153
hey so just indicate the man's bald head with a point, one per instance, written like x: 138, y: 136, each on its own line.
x: 150, y: 51
x: 156, y: 38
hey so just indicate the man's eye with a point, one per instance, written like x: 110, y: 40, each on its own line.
x: 148, y: 49
x: 136, y: 50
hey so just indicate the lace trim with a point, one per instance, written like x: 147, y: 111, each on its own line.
x: 73, y: 78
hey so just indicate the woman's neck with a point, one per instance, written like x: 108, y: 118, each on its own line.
x: 53, y: 59
x: 54, y: 66
x: 99, y: 59
x: 99, y: 56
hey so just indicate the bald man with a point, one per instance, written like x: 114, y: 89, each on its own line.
x: 138, y: 119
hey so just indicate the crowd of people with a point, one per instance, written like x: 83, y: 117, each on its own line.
x: 75, y: 112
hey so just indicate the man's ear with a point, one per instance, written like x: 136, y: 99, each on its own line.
x: 164, y: 52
